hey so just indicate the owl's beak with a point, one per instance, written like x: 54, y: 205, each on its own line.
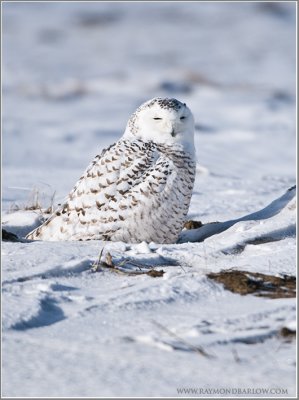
x: 170, y: 128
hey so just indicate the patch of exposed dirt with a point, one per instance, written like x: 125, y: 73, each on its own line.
x: 287, y: 333
x: 9, y: 236
x: 196, y: 224
x: 246, y: 282
x: 193, y: 224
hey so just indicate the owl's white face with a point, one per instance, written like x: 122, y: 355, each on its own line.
x: 166, y: 121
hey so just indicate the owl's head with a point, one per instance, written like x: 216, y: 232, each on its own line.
x: 162, y: 120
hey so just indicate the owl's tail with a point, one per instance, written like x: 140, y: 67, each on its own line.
x: 33, y: 235
x: 46, y: 231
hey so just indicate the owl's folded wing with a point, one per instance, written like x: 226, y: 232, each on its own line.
x: 112, y: 184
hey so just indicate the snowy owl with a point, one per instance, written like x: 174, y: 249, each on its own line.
x: 139, y: 188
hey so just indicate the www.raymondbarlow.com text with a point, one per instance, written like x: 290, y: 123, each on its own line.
x: 228, y: 391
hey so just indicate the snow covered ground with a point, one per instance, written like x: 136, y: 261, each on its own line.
x: 72, y: 74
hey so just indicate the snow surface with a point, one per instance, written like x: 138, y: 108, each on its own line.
x: 72, y: 74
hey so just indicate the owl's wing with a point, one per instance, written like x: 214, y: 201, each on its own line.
x: 111, y: 185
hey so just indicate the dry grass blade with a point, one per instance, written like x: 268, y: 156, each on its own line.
x: 96, y: 265
x: 34, y: 201
x: 236, y: 356
x: 198, y: 349
x: 50, y: 209
x: 108, y: 263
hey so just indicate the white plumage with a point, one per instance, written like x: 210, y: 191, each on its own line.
x: 139, y: 189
